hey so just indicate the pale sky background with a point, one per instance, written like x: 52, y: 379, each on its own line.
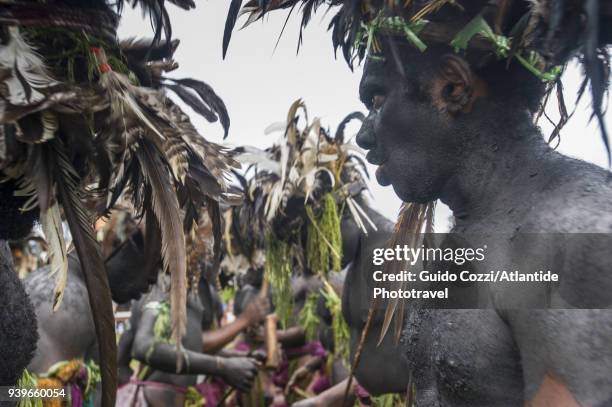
x: 259, y: 84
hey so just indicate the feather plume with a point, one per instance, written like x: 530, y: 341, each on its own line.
x: 210, y: 105
x: 92, y: 267
x: 25, y: 77
x: 167, y: 212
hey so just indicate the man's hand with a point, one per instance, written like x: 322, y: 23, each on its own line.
x: 256, y: 334
x: 238, y: 372
x: 257, y: 310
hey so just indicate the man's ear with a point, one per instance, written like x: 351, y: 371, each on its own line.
x: 455, y: 87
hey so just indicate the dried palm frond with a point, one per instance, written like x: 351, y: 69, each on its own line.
x: 413, y: 220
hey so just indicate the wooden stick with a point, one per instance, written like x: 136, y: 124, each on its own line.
x: 225, y: 396
x: 270, y: 336
x: 271, y: 342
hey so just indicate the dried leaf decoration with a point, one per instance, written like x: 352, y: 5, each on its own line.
x: 413, y: 219
x: 52, y: 227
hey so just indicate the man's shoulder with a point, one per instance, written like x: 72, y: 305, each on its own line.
x: 580, y: 202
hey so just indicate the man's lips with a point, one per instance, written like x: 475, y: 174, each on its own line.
x: 381, y: 176
x: 374, y: 158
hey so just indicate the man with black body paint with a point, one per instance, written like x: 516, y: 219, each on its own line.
x: 441, y: 128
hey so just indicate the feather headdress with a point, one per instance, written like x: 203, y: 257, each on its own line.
x: 541, y: 35
x: 88, y: 121
x: 307, y: 163
x: 298, y: 190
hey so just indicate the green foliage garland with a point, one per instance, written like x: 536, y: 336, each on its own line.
x: 340, y: 328
x: 324, y: 241
x: 278, y: 273
x: 532, y: 61
x: 162, y: 329
x: 309, y: 319
x: 502, y: 45
x: 388, y: 400
x: 28, y: 381
x: 228, y: 294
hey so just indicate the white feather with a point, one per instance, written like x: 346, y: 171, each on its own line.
x: 27, y: 71
x: 275, y: 128
x: 350, y: 147
x: 261, y: 158
x: 363, y: 214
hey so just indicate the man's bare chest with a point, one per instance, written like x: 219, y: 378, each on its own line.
x: 462, y: 358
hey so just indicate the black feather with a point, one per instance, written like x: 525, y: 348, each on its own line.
x: 230, y: 23
x: 339, y: 135
x: 208, y: 96
x: 595, y: 69
x: 193, y: 102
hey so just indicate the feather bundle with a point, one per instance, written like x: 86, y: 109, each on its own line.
x: 306, y: 163
x: 24, y: 76
x: 54, y: 234
x: 166, y: 165
x: 75, y: 149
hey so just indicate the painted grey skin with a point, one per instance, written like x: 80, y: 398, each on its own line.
x: 69, y: 332
x: 444, y: 131
x: 237, y: 371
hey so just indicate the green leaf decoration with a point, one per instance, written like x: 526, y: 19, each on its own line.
x: 502, y: 46
x: 388, y: 400
x: 278, y: 271
x: 28, y: 381
x: 324, y: 238
x: 309, y: 319
x: 340, y: 328
x: 478, y: 25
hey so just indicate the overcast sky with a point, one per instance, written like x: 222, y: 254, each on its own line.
x: 259, y: 84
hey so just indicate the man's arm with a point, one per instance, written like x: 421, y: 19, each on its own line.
x: 216, y: 339
x: 124, y: 356
x: 238, y: 372
x: 566, y: 356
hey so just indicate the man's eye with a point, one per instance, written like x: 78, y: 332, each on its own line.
x: 377, y: 102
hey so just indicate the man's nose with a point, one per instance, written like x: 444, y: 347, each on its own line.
x: 365, y: 137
